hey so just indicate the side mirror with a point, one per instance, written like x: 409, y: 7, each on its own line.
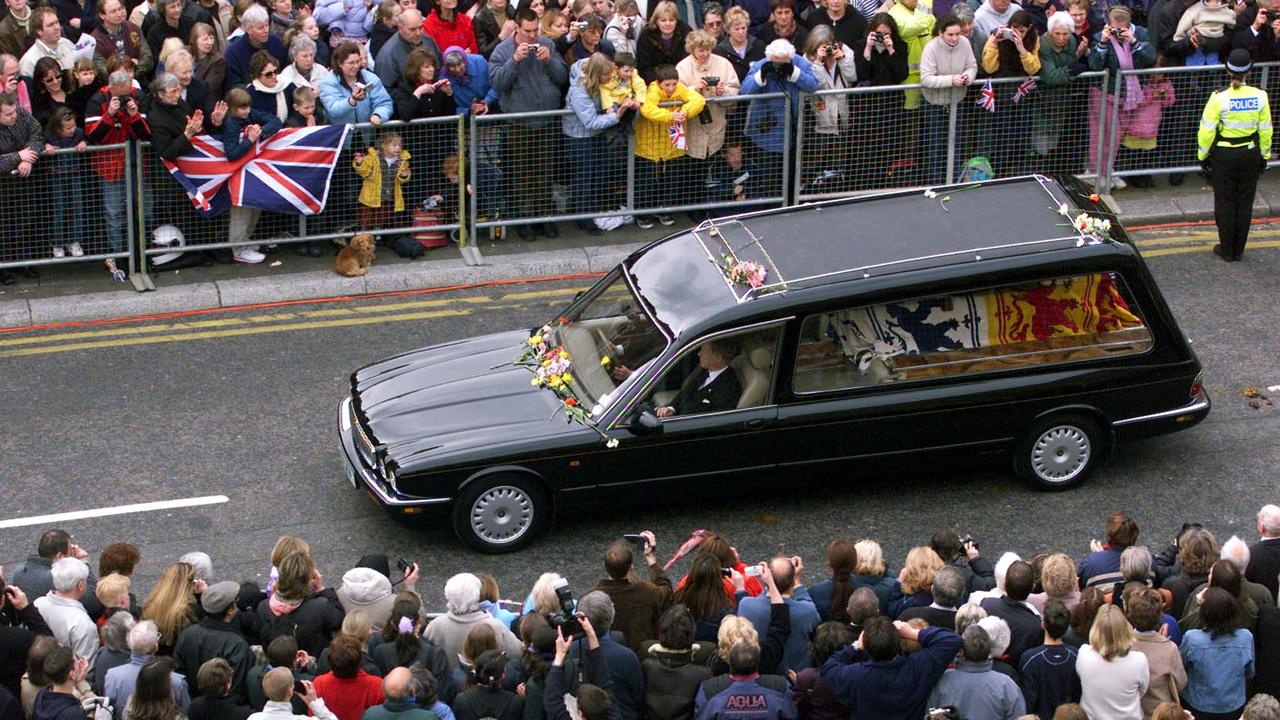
x: 647, y: 423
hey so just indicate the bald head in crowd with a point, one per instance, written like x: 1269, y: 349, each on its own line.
x: 398, y: 684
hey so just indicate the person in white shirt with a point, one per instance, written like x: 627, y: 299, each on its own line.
x: 61, y: 608
x: 1112, y: 679
x: 277, y: 687
x: 49, y: 43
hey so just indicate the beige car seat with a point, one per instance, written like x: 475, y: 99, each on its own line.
x: 754, y: 370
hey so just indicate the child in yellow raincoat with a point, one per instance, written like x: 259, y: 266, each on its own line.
x: 378, y: 198
x: 660, y: 145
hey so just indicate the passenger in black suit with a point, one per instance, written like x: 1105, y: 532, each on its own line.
x: 1264, y: 556
x: 711, y: 388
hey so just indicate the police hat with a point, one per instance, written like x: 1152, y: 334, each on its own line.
x: 1239, y: 61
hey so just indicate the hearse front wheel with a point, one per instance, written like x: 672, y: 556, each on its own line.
x: 500, y: 514
x: 1059, y: 451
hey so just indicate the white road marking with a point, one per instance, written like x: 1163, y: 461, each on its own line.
x: 117, y: 510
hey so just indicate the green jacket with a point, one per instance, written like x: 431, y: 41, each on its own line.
x: 1055, y: 66
x: 397, y: 710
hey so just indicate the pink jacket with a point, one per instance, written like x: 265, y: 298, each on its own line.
x: 1145, y: 120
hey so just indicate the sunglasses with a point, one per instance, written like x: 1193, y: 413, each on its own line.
x: 267, y: 73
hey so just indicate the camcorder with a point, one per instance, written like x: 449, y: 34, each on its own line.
x: 566, y: 618
x: 711, y: 80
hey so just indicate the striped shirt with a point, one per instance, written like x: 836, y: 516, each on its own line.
x: 23, y: 133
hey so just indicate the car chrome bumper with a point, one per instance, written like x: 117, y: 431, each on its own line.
x: 1195, y: 410
x: 358, y: 474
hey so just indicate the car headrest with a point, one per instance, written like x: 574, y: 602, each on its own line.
x: 761, y: 357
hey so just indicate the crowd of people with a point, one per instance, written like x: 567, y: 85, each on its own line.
x: 1191, y: 632
x: 669, y: 82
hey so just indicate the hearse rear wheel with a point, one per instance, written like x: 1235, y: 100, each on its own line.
x: 1059, y: 452
x: 500, y: 514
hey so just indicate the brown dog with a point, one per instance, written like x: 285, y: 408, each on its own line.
x: 354, y: 259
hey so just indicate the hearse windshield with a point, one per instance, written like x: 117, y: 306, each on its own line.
x: 610, y: 338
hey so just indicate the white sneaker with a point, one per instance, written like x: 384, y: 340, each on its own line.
x: 58, y: 252
x: 75, y: 250
x: 247, y: 255
x: 1119, y: 184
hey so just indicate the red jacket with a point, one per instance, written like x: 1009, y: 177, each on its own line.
x: 349, y: 698
x: 104, y: 129
x: 447, y: 33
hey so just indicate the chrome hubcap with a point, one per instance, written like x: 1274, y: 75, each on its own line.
x: 1061, y: 453
x: 502, y: 514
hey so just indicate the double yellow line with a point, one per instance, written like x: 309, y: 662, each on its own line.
x: 333, y: 317
x: 1202, y: 241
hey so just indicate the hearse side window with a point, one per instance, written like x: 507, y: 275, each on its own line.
x: 1049, y: 321
x: 688, y: 388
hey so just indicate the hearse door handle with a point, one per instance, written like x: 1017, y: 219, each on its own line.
x: 755, y: 424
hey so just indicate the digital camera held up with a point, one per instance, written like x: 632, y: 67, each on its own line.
x: 565, y: 619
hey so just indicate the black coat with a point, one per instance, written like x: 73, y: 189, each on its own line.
x: 1264, y: 564
x: 313, y: 623
x: 721, y: 394
x: 429, y: 656
x: 883, y: 68
x: 1024, y: 625
x: 488, y: 30
x: 850, y: 30
x: 208, y: 639
x: 741, y: 65
x: 650, y: 53
x: 15, y: 641
x: 671, y: 682
x: 483, y: 702
x: 168, y: 129
x: 409, y: 107
x: 1181, y: 585
x: 223, y: 708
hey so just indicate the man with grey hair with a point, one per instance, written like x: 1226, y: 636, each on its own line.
x: 62, y: 611
x: 862, y: 606
x: 257, y: 36
x: 144, y: 640
x: 449, y: 631
x: 1261, y: 707
x: 113, y: 116
x: 1264, y: 555
x: 1236, y: 552
x: 948, y: 589
x: 115, y: 647
x: 623, y: 665
x: 973, y: 688
x: 389, y: 64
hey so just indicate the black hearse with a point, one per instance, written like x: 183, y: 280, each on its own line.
x: 1000, y: 316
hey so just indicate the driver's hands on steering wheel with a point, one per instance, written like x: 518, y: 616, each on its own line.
x: 622, y: 372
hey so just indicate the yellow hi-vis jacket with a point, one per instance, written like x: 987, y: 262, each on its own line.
x: 1236, y: 114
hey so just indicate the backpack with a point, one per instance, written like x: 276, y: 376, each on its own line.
x: 977, y: 169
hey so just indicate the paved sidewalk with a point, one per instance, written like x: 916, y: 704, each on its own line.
x: 78, y: 292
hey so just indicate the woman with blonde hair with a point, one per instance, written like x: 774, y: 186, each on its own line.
x: 592, y: 156
x: 1060, y: 582
x: 873, y: 573
x: 170, y: 604
x: 542, y: 597
x: 1112, y: 679
x: 918, y: 573
x: 732, y: 629
x: 662, y: 40
x: 712, y: 76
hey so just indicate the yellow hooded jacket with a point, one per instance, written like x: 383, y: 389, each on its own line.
x: 653, y: 141
x: 371, y: 170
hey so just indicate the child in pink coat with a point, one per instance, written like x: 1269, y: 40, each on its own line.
x: 1144, y: 123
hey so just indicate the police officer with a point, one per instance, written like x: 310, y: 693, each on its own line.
x: 1235, y: 144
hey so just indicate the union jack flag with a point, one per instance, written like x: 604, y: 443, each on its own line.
x: 1024, y: 89
x: 287, y: 173
x: 676, y: 131
x: 987, y: 97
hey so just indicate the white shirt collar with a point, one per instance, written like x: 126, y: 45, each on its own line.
x: 712, y: 375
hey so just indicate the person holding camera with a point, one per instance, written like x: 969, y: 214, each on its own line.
x: 279, y: 687
x: 590, y: 40
x: 1119, y: 46
x: 892, y: 684
x: 638, y: 604
x: 781, y: 71
x: 594, y: 696
x: 623, y: 30
x: 782, y: 581
x: 947, y: 69
x: 1257, y: 30
x: 712, y: 76
x: 114, y: 115
x: 826, y: 140
x: 528, y: 75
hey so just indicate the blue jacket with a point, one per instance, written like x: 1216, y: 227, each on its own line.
x: 977, y: 691
x: 475, y: 88
x: 240, y: 51
x: 1100, y: 568
x: 353, y: 19
x: 747, y: 699
x: 766, y: 125
x: 587, y: 119
x: 234, y: 142
x: 896, y: 689
x: 334, y: 92
x: 804, y: 619
x: 1217, y: 669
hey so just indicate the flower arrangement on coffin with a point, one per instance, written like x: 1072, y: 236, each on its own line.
x: 743, y: 272
x: 551, y: 370
x: 1094, y: 228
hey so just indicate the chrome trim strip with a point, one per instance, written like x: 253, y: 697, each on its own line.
x: 1195, y: 406
x: 370, y: 482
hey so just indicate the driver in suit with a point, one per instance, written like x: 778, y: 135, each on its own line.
x: 712, y: 387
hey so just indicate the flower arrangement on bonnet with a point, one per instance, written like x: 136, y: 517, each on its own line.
x: 551, y: 367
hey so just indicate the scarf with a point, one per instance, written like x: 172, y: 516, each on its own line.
x: 282, y: 108
x: 280, y: 607
x: 1132, y: 88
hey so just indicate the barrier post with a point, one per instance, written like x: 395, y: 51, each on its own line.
x: 951, y: 142
x: 135, y: 217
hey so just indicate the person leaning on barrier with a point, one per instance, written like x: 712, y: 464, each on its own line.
x: 781, y: 71
x: 1234, y: 145
x: 21, y: 140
